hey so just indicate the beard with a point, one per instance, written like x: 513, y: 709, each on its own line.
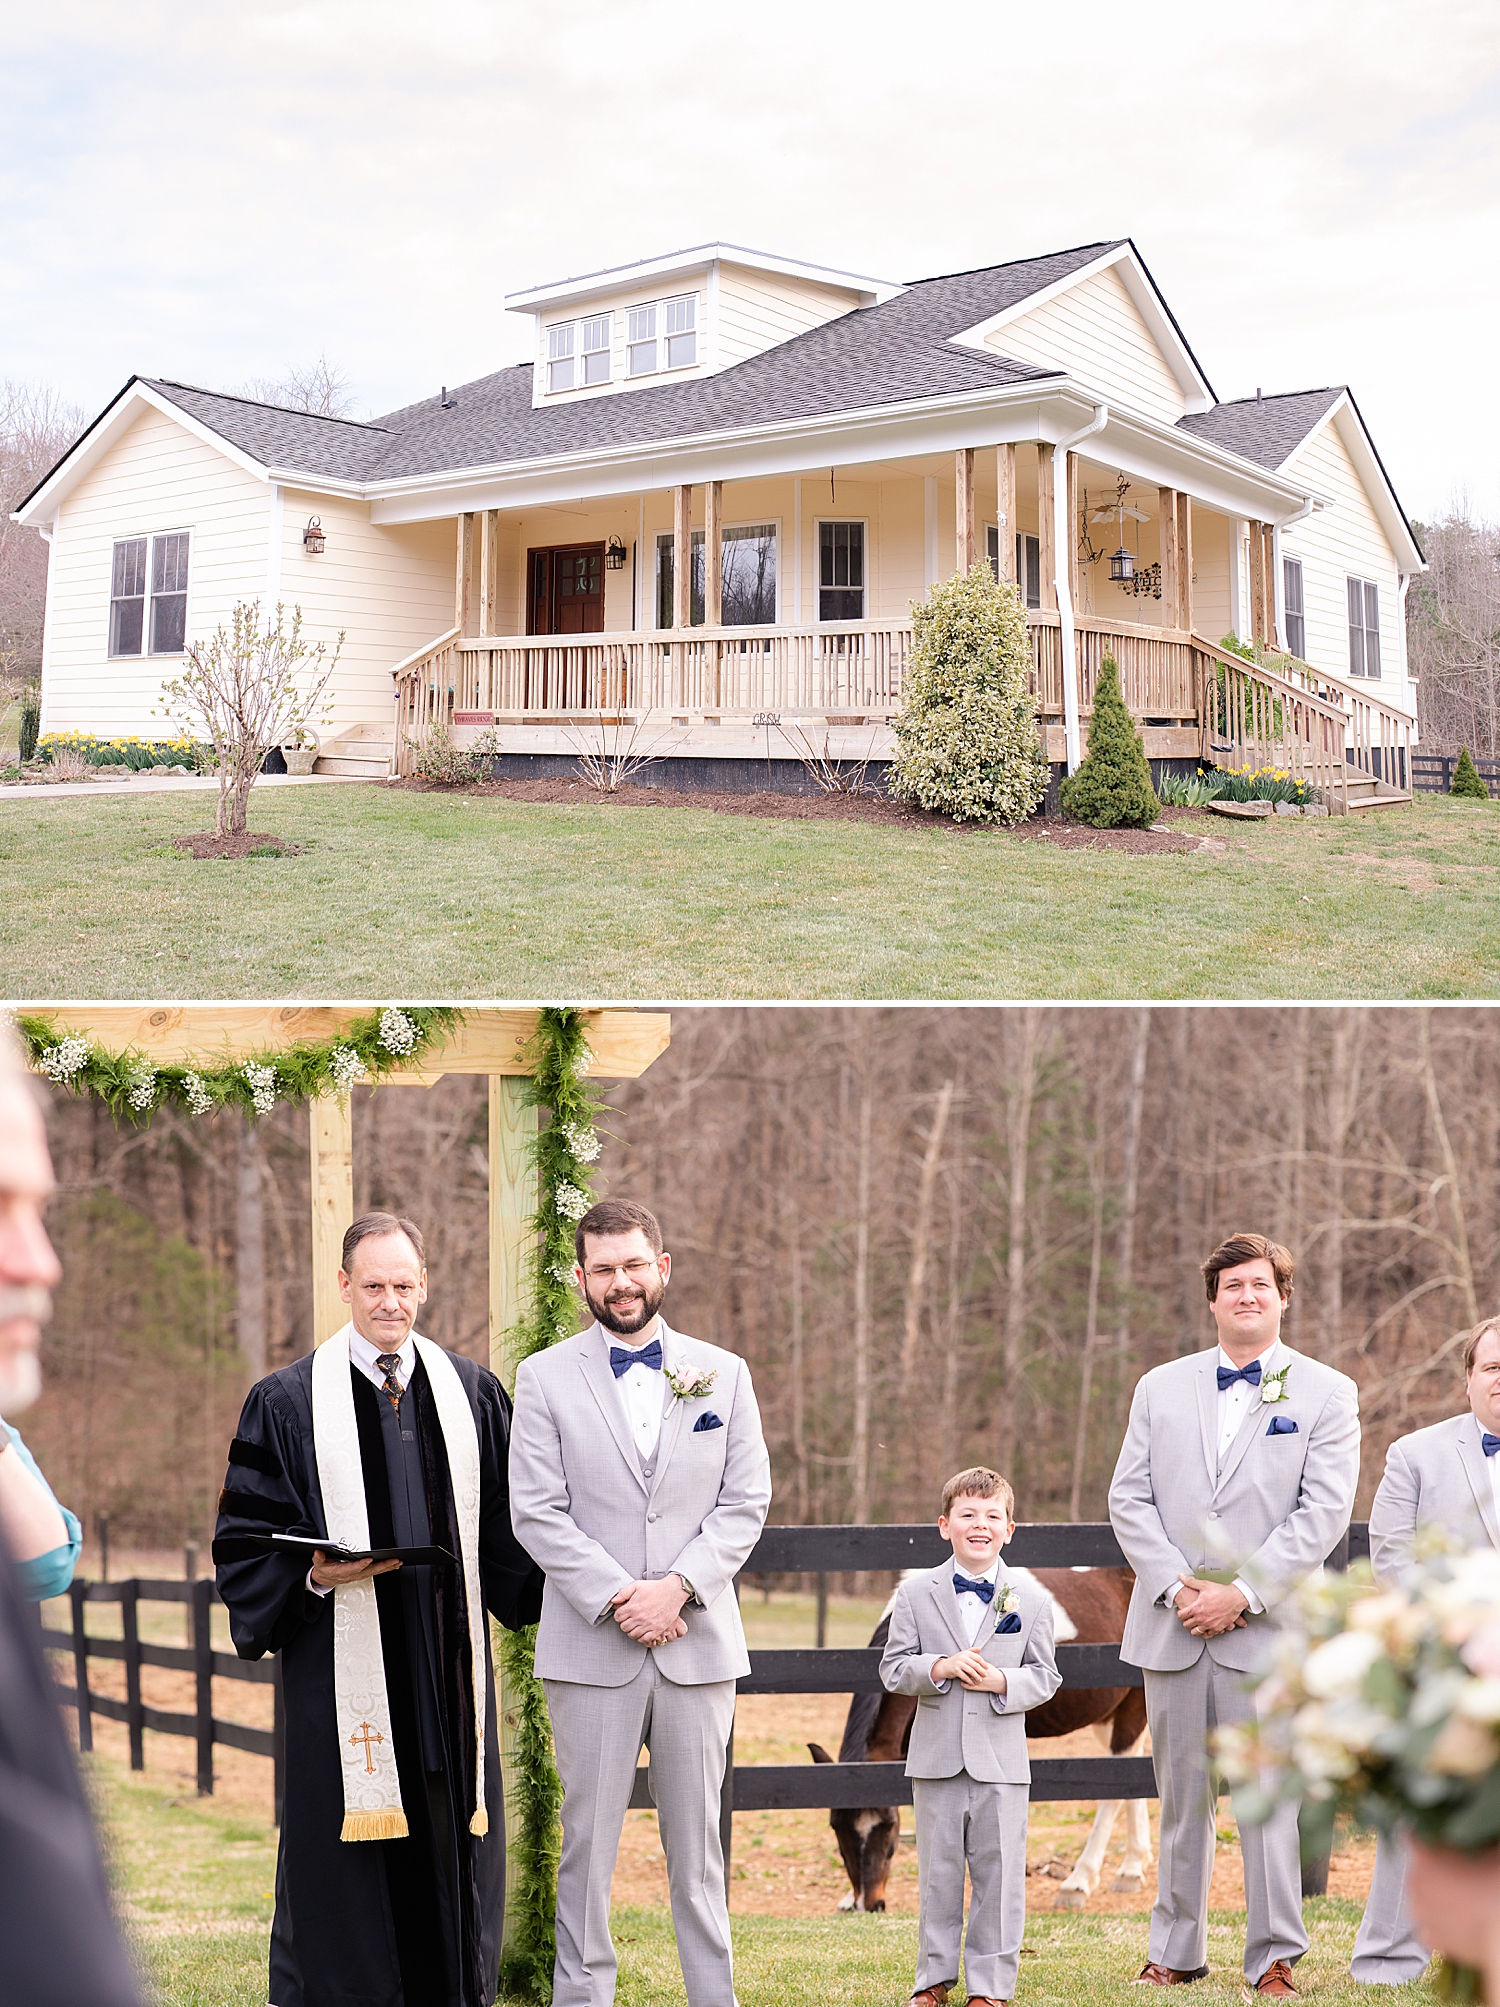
x: 626, y: 1311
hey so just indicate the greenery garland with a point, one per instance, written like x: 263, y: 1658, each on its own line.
x: 559, y: 1058
x: 131, y: 1085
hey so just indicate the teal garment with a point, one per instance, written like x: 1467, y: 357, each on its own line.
x: 49, y: 1574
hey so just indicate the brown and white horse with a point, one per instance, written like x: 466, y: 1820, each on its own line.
x: 1088, y: 1608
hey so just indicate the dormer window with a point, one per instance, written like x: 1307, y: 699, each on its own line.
x: 578, y: 353
x: 663, y: 336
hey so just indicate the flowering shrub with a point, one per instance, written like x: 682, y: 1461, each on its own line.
x: 1262, y: 784
x: 446, y: 765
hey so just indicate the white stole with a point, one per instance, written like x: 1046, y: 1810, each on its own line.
x: 372, y: 1789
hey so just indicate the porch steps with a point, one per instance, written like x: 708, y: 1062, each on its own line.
x: 361, y: 752
x: 1364, y: 791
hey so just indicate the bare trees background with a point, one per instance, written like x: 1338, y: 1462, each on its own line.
x: 37, y: 426
x: 1453, y: 635
x: 320, y: 387
x: 939, y: 1236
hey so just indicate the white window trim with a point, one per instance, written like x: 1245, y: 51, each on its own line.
x: 661, y: 338
x: 817, y: 563
x: 146, y: 653
x: 664, y: 537
x: 1362, y: 675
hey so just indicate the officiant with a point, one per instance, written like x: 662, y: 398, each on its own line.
x: 390, y: 1879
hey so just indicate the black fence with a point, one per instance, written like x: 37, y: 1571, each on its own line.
x: 1432, y: 773
x: 198, y: 1658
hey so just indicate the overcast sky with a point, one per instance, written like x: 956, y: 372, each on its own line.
x: 216, y: 192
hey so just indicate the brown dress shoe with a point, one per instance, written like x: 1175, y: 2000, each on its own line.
x: 1276, y: 1980
x: 1151, y: 1974
x: 930, y: 1996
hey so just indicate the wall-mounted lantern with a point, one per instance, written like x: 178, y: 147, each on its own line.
x: 1122, y: 566
x: 312, y: 537
x: 614, y: 554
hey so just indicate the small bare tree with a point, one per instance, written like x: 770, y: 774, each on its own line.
x: 246, y: 690
x: 319, y: 387
x: 37, y: 426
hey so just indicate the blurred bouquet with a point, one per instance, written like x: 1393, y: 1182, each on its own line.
x: 1383, y: 1706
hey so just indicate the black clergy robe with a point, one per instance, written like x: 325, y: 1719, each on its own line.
x: 379, y: 1923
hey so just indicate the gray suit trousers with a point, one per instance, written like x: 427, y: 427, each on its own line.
x: 960, y: 1819
x: 598, y: 1732
x: 1183, y: 1708
x: 1387, y: 1950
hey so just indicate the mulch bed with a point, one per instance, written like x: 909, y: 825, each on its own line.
x: 561, y: 789
x: 206, y: 844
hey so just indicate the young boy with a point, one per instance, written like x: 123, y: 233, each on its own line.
x: 975, y: 1647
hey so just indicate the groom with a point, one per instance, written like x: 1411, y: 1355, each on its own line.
x: 639, y: 1481
x: 1235, y: 1480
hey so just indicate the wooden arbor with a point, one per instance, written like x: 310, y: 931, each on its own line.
x: 489, y: 1041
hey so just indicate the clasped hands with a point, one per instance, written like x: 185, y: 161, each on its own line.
x: 1209, y: 1609
x: 971, y: 1669
x: 651, y: 1612
x: 339, y: 1574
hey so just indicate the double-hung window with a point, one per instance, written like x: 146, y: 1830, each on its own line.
x: 841, y: 571
x: 1028, y: 564
x: 663, y: 335
x: 681, y: 319
x: 561, y: 362
x: 1364, y: 627
x: 1293, y: 606
x: 148, y: 595
x: 578, y: 353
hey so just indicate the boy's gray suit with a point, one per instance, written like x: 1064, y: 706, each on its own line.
x: 1269, y: 1513
x: 1437, y: 1479
x: 970, y: 1773
x: 596, y: 1517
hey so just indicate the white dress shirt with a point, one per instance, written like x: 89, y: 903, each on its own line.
x: 1492, y: 1463
x: 642, y: 1389
x: 974, y: 1609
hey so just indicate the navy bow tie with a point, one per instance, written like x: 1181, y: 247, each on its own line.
x: 1249, y: 1374
x: 1491, y: 1443
x: 962, y: 1586
x: 621, y: 1360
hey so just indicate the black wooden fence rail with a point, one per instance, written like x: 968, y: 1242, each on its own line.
x: 199, y: 1658
x: 1432, y: 773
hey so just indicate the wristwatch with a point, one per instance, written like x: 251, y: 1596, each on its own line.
x: 692, y: 1593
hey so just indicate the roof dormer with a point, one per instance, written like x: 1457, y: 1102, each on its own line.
x: 688, y: 315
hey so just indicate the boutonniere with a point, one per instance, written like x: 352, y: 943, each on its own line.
x: 688, y: 1386
x: 1006, y: 1601
x: 1273, y: 1387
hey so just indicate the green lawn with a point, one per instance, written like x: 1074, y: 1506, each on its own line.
x: 437, y: 895
x: 195, y: 1886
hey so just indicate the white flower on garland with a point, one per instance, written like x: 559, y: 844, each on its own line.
x: 347, y: 1068
x: 61, y: 1062
x: 584, y: 1143
x: 199, y: 1100
x: 262, y: 1081
x: 571, y: 1202
x: 560, y: 1272
x: 397, y: 1032
x: 142, y: 1095
x: 584, y: 1061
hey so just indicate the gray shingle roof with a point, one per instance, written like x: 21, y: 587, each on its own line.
x: 887, y: 354
x: 1266, y: 432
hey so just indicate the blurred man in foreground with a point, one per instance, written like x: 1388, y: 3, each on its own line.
x: 58, y: 1942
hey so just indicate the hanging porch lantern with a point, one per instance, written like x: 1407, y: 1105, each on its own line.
x: 614, y: 554
x: 312, y: 537
x: 1122, y: 566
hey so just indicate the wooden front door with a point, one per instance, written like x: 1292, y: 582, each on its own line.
x: 565, y: 590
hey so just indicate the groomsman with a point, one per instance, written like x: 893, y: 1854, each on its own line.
x: 639, y: 1480
x: 1235, y: 1480
x: 1444, y: 1479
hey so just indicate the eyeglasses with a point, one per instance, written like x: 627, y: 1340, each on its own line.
x: 633, y: 1271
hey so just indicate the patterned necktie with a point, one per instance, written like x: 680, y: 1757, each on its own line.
x: 1491, y: 1443
x: 388, y: 1362
x: 985, y: 1591
x: 621, y: 1359
x: 1249, y: 1374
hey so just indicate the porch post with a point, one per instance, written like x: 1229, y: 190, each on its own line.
x: 1072, y: 521
x: 682, y: 556
x: 963, y: 508
x: 464, y: 566
x: 1185, y: 562
x: 1005, y: 506
x: 713, y: 553
x: 1062, y: 493
x: 1257, y: 583
x: 330, y: 1139
x: 1272, y: 574
x: 486, y: 571
x: 1170, y: 582
x: 1046, y: 524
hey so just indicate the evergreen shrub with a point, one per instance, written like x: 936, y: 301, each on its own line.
x: 31, y: 721
x: 968, y: 743
x: 1467, y: 779
x: 1112, y: 789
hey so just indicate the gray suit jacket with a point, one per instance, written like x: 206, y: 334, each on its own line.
x: 1437, y: 1478
x: 1271, y: 1514
x: 954, y: 1729
x: 586, y: 1513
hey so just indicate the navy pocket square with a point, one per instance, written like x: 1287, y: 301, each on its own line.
x: 1281, y: 1425
x: 706, y: 1421
x: 1011, y: 1621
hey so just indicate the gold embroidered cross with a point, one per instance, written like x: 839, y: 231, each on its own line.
x: 365, y: 1734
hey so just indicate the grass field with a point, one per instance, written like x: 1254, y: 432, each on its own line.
x: 194, y: 1882
x: 437, y: 895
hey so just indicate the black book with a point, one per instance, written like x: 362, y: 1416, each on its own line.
x: 244, y: 1545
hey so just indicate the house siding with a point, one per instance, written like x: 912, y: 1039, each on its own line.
x: 1095, y: 330
x: 1334, y: 544
x: 756, y: 310
x: 158, y: 476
